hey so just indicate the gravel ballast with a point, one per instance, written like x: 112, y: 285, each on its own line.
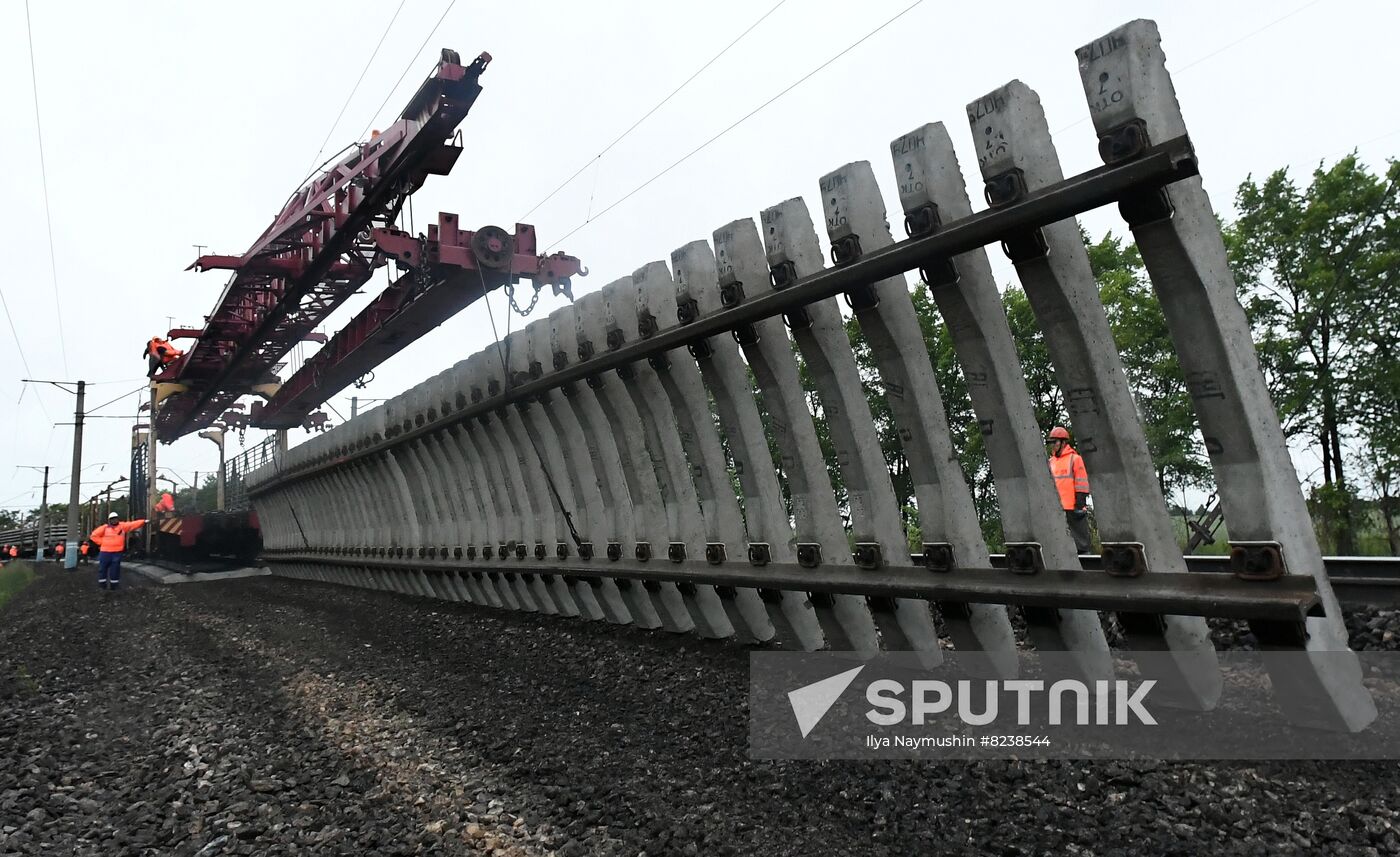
x: 269, y: 716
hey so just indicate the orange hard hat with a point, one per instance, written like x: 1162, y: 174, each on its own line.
x: 1059, y: 433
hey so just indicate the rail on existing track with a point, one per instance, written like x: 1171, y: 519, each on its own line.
x: 647, y: 456
x: 168, y: 571
x: 1358, y: 580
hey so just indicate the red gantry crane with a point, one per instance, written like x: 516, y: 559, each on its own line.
x: 323, y: 246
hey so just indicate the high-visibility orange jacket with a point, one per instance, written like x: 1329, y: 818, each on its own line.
x: 162, y: 350
x: 58, y: 548
x: 111, y: 538
x: 14, y: 551
x: 1070, y: 476
x: 166, y: 503
x: 83, y: 548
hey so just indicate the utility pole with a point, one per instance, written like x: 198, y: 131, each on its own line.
x: 107, y: 492
x: 39, y: 538
x: 70, y: 553
x: 43, y: 509
x: 70, y: 557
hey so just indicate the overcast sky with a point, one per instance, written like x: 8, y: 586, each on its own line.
x: 167, y: 125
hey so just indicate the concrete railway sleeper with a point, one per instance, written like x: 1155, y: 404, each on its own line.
x: 648, y: 456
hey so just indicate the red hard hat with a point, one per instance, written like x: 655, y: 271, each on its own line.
x: 1059, y: 433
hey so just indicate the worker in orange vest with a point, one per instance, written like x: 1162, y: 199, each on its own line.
x: 111, y: 543
x: 166, y: 503
x: 83, y: 552
x: 14, y: 552
x: 1072, y: 483
x: 160, y: 353
x: 58, y: 550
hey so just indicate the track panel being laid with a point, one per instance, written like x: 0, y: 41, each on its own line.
x: 650, y: 456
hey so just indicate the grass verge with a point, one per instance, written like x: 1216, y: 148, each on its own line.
x: 14, y: 577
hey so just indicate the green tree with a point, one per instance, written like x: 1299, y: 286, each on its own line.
x: 54, y: 513
x: 189, y: 500
x: 966, y: 433
x: 962, y: 423
x: 1382, y: 471
x: 1316, y: 268
x: 885, y: 428
x: 1150, y: 361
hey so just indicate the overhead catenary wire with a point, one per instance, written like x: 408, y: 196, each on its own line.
x: 14, y: 334
x: 736, y: 123
x: 37, y: 398
x: 647, y: 115
x: 24, y: 493
x: 116, y: 381
x: 356, y: 88
x: 44, y: 182
x: 405, y: 72
x: 91, y: 411
x: 1251, y: 34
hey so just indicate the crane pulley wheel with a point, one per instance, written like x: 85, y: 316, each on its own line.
x: 493, y: 248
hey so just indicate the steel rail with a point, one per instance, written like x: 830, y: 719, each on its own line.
x: 1286, y: 600
x: 1157, y: 167
x: 1357, y: 580
x: 1359, y: 567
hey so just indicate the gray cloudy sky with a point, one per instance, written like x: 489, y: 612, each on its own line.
x: 169, y: 124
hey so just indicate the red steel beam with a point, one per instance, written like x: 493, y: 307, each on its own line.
x: 447, y: 272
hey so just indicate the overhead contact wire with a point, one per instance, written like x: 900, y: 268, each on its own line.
x: 358, y: 81
x: 406, y: 70
x: 48, y: 216
x: 647, y: 115
x: 741, y: 120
